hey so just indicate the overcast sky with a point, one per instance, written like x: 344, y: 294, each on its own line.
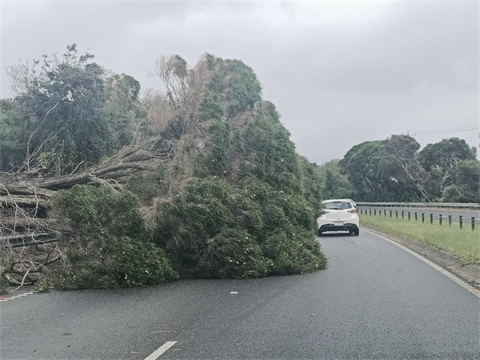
x: 339, y: 72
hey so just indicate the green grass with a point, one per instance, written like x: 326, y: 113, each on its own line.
x: 463, y: 243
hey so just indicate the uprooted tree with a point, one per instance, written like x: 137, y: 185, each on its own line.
x: 207, y: 183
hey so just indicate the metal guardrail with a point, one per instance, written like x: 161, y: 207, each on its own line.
x: 422, y: 205
x: 404, y: 214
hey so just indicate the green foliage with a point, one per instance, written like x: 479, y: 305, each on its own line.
x: 120, y: 110
x: 445, y: 153
x: 185, y: 224
x: 466, y: 183
x: 217, y: 160
x: 275, y: 159
x: 233, y: 88
x: 101, y: 210
x: 149, y: 184
x: 44, y: 284
x: 440, y: 160
x: 361, y: 163
x: 312, y: 184
x: 334, y: 184
x: 386, y: 170
x: 109, y: 245
x: 293, y: 252
x: 67, y: 112
x: 232, y: 254
x: 209, y: 229
x: 211, y: 107
x: 12, y: 135
x: 394, y: 170
x: 113, y: 261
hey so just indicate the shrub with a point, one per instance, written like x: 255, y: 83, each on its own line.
x: 217, y: 230
x: 101, y: 210
x: 185, y: 224
x: 233, y: 253
x: 293, y: 252
x: 44, y: 284
x: 110, y: 262
x: 110, y: 244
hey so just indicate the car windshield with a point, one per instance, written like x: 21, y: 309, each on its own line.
x: 338, y: 205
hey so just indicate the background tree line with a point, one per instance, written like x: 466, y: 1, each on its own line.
x: 395, y: 170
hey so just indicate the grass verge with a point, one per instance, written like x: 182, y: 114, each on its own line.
x: 462, y: 243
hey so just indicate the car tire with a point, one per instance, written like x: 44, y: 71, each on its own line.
x: 319, y: 233
x: 356, y: 232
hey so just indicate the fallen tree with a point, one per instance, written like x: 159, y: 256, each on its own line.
x: 219, y: 189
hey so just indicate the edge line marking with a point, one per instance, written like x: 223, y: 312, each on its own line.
x: 447, y: 273
x: 156, y: 354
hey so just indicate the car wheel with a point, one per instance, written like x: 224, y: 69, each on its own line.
x: 319, y: 233
x: 356, y: 232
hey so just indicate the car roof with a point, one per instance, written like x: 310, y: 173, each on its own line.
x: 337, y: 200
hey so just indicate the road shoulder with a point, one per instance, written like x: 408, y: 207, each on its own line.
x: 468, y: 272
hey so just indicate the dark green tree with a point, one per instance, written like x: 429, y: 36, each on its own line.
x: 67, y: 112
x: 440, y: 160
x: 334, y: 184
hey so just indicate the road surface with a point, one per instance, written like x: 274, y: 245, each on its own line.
x: 375, y: 301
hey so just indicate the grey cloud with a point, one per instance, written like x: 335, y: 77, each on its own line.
x: 400, y: 67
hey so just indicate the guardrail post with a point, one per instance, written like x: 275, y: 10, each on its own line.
x: 423, y: 218
x: 440, y: 219
x: 375, y: 212
x: 449, y: 220
x: 460, y: 220
x: 409, y: 215
x: 385, y: 213
x: 396, y: 214
x: 390, y: 213
x: 370, y: 211
x: 416, y: 217
x: 473, y: 223
x: 431, y: 218
x: 403, y: 214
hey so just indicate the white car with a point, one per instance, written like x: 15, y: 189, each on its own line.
x: 338, y: 215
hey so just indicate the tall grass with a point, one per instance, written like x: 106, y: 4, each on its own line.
x: 463, y: 243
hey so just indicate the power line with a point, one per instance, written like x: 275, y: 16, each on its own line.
x: 453, y: 130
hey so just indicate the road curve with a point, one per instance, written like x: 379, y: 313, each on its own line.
x: 375, y: 301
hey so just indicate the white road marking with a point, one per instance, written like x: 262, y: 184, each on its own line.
x: 448, y: 274
x: 156, y: 354
x: 233, y: 292
x: 17, y: 296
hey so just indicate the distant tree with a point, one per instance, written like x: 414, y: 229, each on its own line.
x: 465, y: 186
x: 440, y: 160
x: 386, y: 170
x: 334, y: 184
x: 399, y: 161
x: 361, y: 164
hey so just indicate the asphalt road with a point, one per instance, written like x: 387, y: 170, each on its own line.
x: 375, y: 300
x: 466, y: 214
